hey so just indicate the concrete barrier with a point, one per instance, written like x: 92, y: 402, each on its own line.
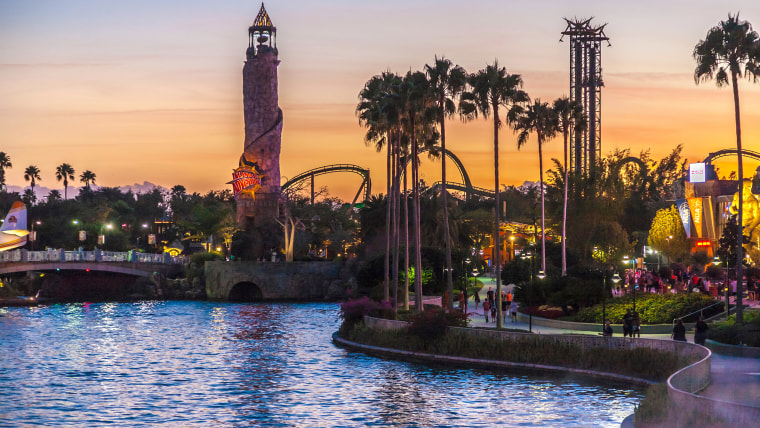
x: 685, y: 383
x: 733, y: 350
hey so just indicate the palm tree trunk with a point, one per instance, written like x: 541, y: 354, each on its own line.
x: 406, y: 233
x: 395, y: 225
x: 416, y: 209
x: 497, y: 215
x: 444, y: 197
x: 564, y: 211
x: 386, y: 279
x: 740, y: 238
x: 543, y: 223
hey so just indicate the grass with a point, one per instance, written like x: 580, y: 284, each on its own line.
x: 651, y: 364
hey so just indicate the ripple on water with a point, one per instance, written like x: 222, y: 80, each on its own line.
x: 217, y: 364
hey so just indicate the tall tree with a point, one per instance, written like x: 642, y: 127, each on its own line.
x: 5, y: 162
x: 493, y: 88
x: 570, y: 115
x: 540, y: 119
x: 447, y: 81
x: 376, y: 111
x: 731, y: 48
x: 32, y: 173
x: 87, y: 177
x: 64, y: 172
x: 416, y: 105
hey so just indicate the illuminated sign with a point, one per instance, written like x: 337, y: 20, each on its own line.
x: 697, y: 173
x: 703, y: 244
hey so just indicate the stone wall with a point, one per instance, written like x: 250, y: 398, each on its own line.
x: 313, y: 281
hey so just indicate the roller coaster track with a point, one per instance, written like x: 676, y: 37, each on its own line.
x: 466, y: 187
x: 310, y: 174
x: 730, y: 152
x: 472, y: 190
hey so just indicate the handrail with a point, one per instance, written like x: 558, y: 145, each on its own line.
x: 698, y: 310
x: 97, y: 256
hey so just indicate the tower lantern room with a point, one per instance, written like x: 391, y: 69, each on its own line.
x: 261, y: 34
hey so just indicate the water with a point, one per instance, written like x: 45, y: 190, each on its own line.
x: 217, y: 364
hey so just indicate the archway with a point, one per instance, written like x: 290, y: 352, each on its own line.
x: 245, y: 292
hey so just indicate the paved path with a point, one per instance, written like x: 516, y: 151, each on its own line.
x: 734, y: 379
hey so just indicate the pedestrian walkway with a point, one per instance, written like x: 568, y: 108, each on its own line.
x: 734, y: 379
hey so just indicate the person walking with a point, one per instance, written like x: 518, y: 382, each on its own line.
x: 700, y: 332
x: 486, y: 309
x: 477, y: 300
x: 636, y: 332
x: 679, y: 331
x: 513, y: 311
x: 607, y: 330
x: 628, y: 324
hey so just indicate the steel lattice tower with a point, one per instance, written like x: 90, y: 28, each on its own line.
x: 586, y: 87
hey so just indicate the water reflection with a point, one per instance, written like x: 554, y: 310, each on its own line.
x: 210, y: 364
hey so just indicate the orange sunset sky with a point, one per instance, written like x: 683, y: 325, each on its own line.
x: 151, y: 90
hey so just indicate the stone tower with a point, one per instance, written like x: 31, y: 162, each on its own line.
x: 256, y: 181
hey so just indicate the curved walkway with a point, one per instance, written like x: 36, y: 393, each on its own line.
x: 734, y: 379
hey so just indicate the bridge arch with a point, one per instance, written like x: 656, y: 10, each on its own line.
x: 363, y: 172
x: 245, y: 291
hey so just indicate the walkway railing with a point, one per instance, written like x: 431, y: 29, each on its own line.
x: 97, y: 256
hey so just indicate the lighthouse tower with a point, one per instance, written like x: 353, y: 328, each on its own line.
x: 256, y: 180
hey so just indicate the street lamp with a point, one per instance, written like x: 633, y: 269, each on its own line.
x: 615, y: 279
x: 34, y: 234
x: 512, y: 239
x: 668, y: 240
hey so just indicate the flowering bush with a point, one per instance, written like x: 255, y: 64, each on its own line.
x: 432, y: 323
x: 352, y: 311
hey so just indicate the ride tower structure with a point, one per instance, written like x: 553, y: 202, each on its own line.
x: 256, y: 180
x: 586, y: 88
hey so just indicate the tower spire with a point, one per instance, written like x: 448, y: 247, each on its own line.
x: 261, y: 32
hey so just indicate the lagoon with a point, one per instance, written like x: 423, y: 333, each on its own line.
x: 177, y: 363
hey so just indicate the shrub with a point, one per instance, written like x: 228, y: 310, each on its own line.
x: 432, y: 323
x: 652, y: 308
x: 730, y: 333
x: 353, y: 311
x: 653, y: 364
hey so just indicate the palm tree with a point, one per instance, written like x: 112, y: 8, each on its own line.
x: 492, y: 88
x: 54, y: 196
x: 87, y: 177
x: 32, y: 173
x: 570, y: 115
x: 29, y: 198
x: 447, y: 81
x: 731, y: 47
x: 540, y: 119
x: 5, y: 162
x: 375, y: 111
x: 64, y: 172
x: 415, y: 99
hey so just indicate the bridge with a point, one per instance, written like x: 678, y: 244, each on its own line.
x: 130, y: 263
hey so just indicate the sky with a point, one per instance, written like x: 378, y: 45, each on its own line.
x: 151, y: 90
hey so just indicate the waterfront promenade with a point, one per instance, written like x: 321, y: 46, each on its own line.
x: 734, y: 379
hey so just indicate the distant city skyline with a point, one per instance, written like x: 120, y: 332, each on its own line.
x: 152, y: 90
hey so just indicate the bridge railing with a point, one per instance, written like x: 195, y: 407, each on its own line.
x: 23, y: 255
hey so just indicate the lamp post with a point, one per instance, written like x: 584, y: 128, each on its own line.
x: 540, y: 275
x: 668, y: 240
x: 615, y: 279
x: 34, y: 234
x: 512, y: 239
x: 529, y: 256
